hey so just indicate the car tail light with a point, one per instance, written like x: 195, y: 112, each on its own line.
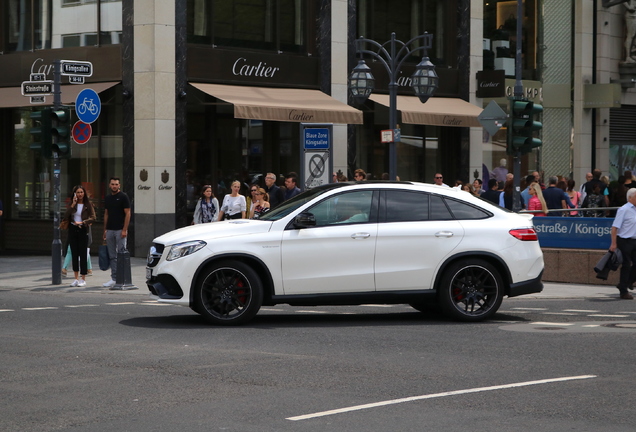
x: 525, y: 234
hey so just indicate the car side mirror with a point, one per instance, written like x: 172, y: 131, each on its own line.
x: 304, y: 220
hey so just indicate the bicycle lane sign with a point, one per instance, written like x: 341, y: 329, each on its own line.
x: 88, y: 106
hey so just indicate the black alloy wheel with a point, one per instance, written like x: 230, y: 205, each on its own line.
x: 230, y: 293
x: 471, y: 290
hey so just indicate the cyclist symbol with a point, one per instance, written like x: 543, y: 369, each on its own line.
x: 88, y: 106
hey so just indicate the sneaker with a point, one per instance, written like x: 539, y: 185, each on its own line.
x: 109, y: 284
x: 64, y: 272
x: 75, y: 283
x: 90, y: 273
x: 82, y: 283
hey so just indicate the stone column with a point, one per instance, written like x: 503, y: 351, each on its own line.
x: 154, y: 120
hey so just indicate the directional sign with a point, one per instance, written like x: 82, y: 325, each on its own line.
x: 316, y: 138
x: 82, y: 132
x: 88, y: 106
x: 37, y: 88
x: 76, y: 68
x: 492, y: 118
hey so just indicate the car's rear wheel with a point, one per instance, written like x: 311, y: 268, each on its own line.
x: 229, y: 293
x: 471, y: 290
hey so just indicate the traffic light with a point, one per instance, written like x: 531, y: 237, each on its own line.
x: 41, y: 132
x: 522, y: 126
x: 61, y: 132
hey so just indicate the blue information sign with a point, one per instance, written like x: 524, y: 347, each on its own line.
x: 88, y: 106
x: 573, y: 232
x: 316, y: 139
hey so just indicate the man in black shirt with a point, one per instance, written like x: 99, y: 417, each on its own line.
x: 116, y: 220
x: 492, y: 194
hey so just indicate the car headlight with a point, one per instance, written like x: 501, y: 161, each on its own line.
x: 180, y: 250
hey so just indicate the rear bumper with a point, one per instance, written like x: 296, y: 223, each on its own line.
x: 526, y: 287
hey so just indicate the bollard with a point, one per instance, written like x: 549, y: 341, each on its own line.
x: 124, y: 275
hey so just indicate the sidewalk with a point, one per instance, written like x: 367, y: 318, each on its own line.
x: 35, y: 273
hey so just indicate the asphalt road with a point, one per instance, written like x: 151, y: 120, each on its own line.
x: 74, y: 361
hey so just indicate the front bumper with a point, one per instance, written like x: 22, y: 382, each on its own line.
x: 526, y: 287
x: 165, y: 287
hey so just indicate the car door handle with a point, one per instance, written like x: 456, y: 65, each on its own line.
x: 446, y: 234
x: 357, y: 236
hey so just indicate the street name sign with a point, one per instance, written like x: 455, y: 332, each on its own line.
x: 37, y: 88
x: 74, y: 79
x: 76, y: 68
x: 492, y: 118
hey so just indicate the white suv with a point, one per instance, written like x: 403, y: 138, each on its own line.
x: 350, y: 244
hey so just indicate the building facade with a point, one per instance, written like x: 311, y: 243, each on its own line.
x: 198, y: 92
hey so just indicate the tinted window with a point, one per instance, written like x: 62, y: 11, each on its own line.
x: 465, y: 211
x: 404, y: 206
x: 439, y: 211
x: 347, y: 208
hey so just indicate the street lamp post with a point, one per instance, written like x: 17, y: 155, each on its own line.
x: 424, y: 80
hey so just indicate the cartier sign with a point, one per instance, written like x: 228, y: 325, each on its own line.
x: 491, y: 84
x: 243, y: 67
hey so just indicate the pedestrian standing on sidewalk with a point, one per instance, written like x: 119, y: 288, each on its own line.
x: 79, y: 216
x: 624, y: 238
x: 116, y: 221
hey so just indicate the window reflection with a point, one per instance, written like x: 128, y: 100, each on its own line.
x: 44, y: 24
x: 263, y: 24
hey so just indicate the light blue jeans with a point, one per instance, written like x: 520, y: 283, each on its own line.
x: 115, y: 244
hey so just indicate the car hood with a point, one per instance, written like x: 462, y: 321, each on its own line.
x: 209, y: 231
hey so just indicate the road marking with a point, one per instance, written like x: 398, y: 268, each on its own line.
x: 122, y: 303
x: 609, y: 316
x: 80, y: 306
x: 591, y: 325
x: 437, y: 395
x: 7, y: 310
x: 312, y: 311
x: 550, y: 323
x: 378, y: 305
x: 558, y: 313
x: 39, y: 308
x: 580, y: 310
x: 530, y: 309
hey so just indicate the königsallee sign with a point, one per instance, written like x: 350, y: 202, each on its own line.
x: 574, y: 232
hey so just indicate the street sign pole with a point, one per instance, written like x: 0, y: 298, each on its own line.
x: 56, y: 247
x: 518, y: 94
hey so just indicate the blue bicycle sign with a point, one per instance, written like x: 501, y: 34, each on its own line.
x: 88, y: 106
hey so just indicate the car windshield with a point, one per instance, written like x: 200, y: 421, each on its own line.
x: 298, y: 201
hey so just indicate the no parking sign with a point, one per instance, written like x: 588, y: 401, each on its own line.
x: 82, y: 132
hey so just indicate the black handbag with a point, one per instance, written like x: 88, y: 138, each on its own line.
x: 500, y: 34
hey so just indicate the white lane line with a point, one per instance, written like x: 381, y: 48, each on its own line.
x: 378, y: 305
x: 580, y: 310
x: 550, y: 323
x: 39, y: 308
x: 437, y: 395
x: 80, y: 306
x: 530, y: 309
x: 558, y: 313
x: 7, y: 310
x: 608, y: 316
x: 122, y: 303
x: 311, y: 311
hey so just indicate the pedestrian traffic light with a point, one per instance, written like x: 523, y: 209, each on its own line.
x: 41, y: 132
x: 61, y: 132
x: 522, y: 126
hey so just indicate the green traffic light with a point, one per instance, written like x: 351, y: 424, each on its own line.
x: 41, y: 132
x: 522, y: 127
x: 60, y: 132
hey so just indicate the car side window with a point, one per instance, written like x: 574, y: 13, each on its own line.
x: 466, y: 211
x: 439, y: 211
x: 345, y: 208
x: 406, y: 206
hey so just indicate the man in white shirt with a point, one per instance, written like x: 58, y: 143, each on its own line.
x: 624, y: 239
x: 439, y: 180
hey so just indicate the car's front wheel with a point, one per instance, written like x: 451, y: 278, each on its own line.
x: 228, y: 293
x: 471, y: 290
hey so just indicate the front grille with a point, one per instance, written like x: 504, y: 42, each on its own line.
x: 154, y: 254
